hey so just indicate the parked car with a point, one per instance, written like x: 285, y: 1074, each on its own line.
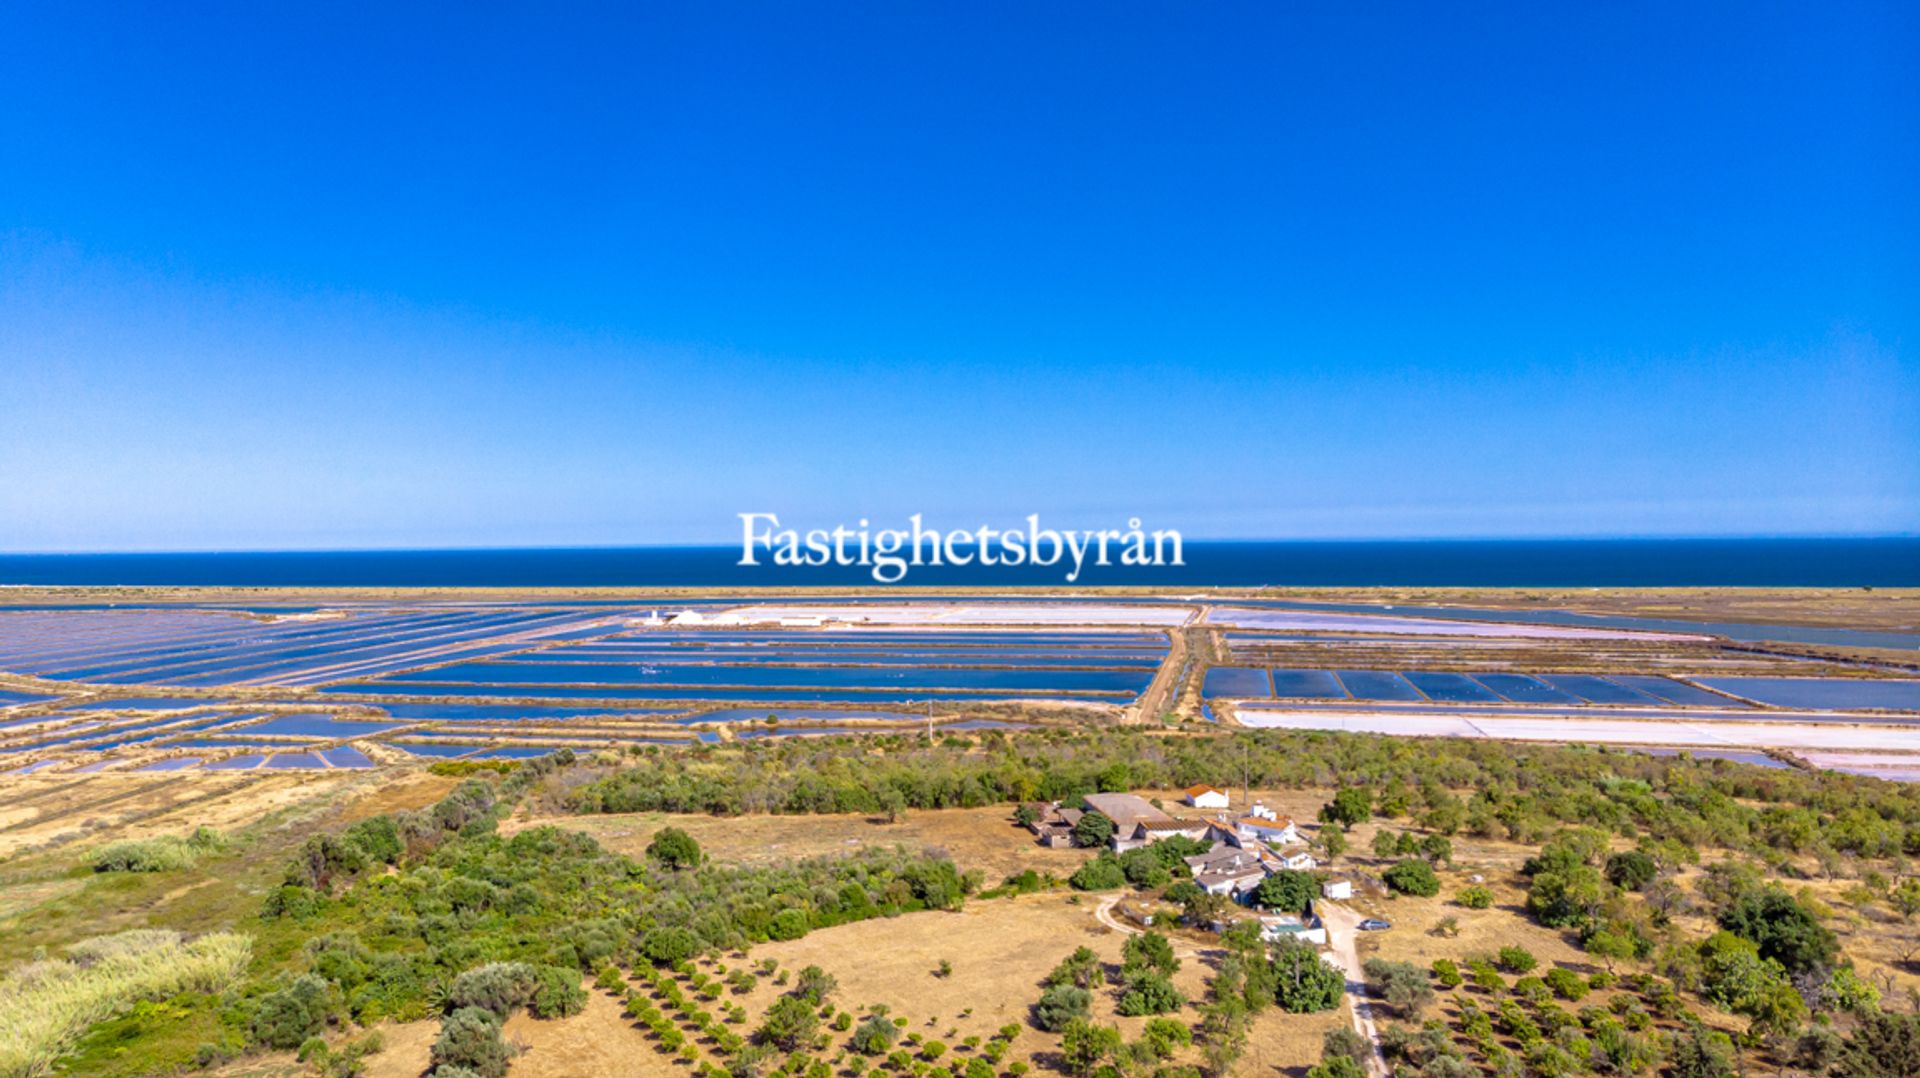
x: 1375, y: 924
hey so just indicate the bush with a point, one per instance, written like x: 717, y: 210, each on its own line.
x: 1566, y: 984
x: 557, y: 993
x: 669, y: 946
x: 1447, y: 972
x: 470, y: 1039
x: 1165, y: 1036
x: 165, y: 853
x: 1103, y: 873
x: 1304, y: 982
x: 499, y: 988
x: 789, y: 1023
x: 1286, y: 890
x: 292, y: 901
x: 1060, y: 1005
x: 1336, y: 1067
x: 875, y: 1036
x: 1343, y: 1040
x: 1475, y: 897
x: 1348, y: 807
x: 1516, y: 960
x: 1080, y: 969
x: 1403, y: 985
x: 377, y: 838
x: 1783, y: 929
x: 1149, y: 951
x: 674, y: 848
x: 1631, y: 870
x: 815, y: 985
x: 1149, y: 991
x: 1093, y: 830
x: 789, y: 924
x: 288, y: 1016
x: 1085, y: 1046
x: 1413, y: 877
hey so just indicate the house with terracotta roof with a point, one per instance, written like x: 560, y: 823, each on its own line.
x: 1206, y: 797
x: 1268, y: 829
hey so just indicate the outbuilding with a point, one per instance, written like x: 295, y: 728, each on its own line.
x: 1207, y: 797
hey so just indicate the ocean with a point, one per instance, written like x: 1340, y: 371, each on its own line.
x: 1876, y: 562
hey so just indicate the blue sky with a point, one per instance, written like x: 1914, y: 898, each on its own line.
x: 340, y: 277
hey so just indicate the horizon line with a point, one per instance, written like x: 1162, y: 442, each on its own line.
x: 1205, y: 540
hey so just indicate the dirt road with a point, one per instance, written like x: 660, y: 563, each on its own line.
x: 1342, y: 931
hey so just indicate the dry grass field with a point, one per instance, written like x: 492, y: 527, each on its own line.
x: 43, y: 904
x: 1000, y: 951
x: 984, y: 839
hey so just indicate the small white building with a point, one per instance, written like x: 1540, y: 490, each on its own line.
x: 1337, y: 889
x: 1296, y: 858
x: 1206, y: 797
x: 1267, y: 829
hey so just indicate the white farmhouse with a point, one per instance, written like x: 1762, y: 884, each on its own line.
x: 1206, y: 797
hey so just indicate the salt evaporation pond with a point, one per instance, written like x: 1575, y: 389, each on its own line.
x: 664, y: 694
x: 1237, y: 681
x: 1312, y: 684
x: 1522, y: 689
x: 1378, y: 685
x: 506, y: 712
x: 1451, y: 688
x: 505, y: 674
x: 1840, y: 693
x: 788, y: 714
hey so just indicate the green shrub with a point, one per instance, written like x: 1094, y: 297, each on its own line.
x: 1413, y: 877
x: 875, y: 1036
x: 293, y: 902
x: 165, y: 853
x: 789, y: 924
x: 1631, y: 870
x: 1150, y: 951
x: 1566, y: 984
x: 470, y: 1039
x: 1162, y: 1037
x: 377, y: 838
x: 674, y: 849
x: 669, y: 946
x: 789, y: 1023
x: 288, y: 1016
x: 1081, y: 969
x: 1515, y: 959
x: 1149, y: 991
x: 557, y: 993
x: 1304, y: 982
x: 1103, y: 873
x: 499, y: 988
x: 1447, y: 972
x: 1061, y: 1004
x: 1475, y: 896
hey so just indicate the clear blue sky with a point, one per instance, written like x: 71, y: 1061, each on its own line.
x: 335, y: 277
